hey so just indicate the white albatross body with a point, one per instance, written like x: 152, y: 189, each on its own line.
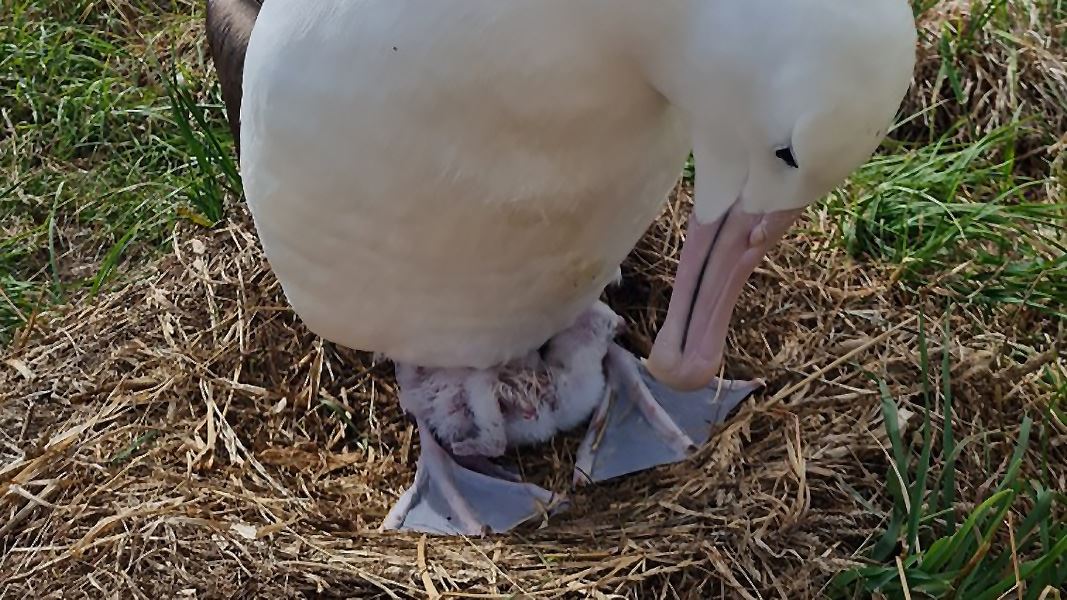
x: 444, y: 207
x: 452, y: 184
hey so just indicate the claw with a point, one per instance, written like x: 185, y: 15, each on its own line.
x: 449, y: 499
x: 642, y: 423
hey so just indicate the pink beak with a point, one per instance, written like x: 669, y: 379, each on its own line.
x: 717, y: 260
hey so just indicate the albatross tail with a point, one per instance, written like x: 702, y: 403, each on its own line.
x: 229, y: 25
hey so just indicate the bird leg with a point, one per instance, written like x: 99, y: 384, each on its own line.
x: 642, y: 423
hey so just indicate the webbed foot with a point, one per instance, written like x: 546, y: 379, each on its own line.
x: 642, y: 423
x: 449, y: 499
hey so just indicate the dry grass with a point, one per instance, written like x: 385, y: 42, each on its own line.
x: 185, y: 436
x: 175, y: 435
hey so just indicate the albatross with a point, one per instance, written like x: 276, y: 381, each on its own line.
x: 452, y: 184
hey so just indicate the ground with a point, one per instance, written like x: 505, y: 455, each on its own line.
x: 168, y: 427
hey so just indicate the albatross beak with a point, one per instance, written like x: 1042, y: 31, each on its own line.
x: 717, y: 259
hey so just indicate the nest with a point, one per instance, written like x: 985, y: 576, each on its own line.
x: 185, y: 436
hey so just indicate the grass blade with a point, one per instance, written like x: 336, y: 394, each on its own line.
x: 948, y: 443
x: 1016, y: 462
x: 936, y: 561
x: 111, y: 259
x: 918, y: 490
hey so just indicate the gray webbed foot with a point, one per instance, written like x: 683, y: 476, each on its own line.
x: 449, y: 499
x: 481, y: 464
x: 643, y: 424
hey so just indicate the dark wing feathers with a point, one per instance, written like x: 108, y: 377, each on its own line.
x: 229, y: 25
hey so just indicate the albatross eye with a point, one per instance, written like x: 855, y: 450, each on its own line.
x: 786, y: 154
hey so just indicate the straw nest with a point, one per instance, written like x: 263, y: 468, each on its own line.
x: 185, y: 436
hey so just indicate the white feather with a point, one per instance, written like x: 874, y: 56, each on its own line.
x: 437, y: 203
x: 452, y: 182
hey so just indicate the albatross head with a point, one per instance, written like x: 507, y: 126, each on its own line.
x: 785, y: 99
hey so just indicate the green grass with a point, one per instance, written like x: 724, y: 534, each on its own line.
x: 926, y: 550
x: 960, y: 38
x: 960, y: 215
x: 97, y: 163
x: 979, y: 214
